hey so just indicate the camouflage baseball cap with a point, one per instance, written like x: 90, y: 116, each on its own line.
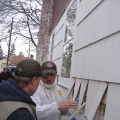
x: 49, y: 67
x: 29, y: 68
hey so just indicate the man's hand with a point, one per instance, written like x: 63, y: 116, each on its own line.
x: 65, y: 104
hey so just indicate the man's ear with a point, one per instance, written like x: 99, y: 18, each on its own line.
x: 33, y: 81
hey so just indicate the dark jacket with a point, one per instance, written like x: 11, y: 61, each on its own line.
x: 5, y: 76
x: 11, y: 91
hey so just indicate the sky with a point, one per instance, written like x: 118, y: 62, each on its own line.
x: 19, y: 46
x: 19, y: 42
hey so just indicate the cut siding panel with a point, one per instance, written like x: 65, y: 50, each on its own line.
x: 82, y: 91
x: 76, y: 88
x: 81, y: 117
x: 93, y: 87
x: 113, y: 102
x: 94, y: 96
x: 70, y: 96
x: 100, y: 61
x: 102, y: 22
x: 71, y: 87
x: 97, y: 100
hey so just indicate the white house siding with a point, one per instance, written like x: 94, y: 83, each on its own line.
x: 58, y: 43
x: 96, y: 58
x: 97, y: 43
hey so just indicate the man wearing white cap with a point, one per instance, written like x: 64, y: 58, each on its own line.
x: 50, y: 103
x: 5, y: 74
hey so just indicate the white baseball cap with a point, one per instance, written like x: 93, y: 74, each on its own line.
x: 5, y: 66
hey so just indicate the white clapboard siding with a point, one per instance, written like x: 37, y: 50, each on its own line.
x: 58, y: 41
x: 57, y: 53
x: 95, y: 93
x: 100, y: 61
x: 102, y: 22
x: 60, y: 24
x: 85, y: 7
x: 59, y: 35
x: 113, y: 102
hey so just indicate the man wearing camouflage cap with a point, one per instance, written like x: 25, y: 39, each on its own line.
x: 15, y: 100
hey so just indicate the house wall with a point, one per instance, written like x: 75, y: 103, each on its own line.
x: 97, y: 41
x: 95, y: 70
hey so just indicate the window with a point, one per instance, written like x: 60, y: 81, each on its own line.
x: 68, y: 42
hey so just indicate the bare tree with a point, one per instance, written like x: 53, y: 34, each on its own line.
x: 12, y: 50
x: 1, y: 53
x: 26, y: 15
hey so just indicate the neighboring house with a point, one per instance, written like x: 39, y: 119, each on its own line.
x: 3, y: 62
x: 82, y: 38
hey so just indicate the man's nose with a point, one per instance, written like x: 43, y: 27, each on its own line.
x: 49, y: 77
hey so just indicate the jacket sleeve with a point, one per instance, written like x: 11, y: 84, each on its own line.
x: 44, y: 111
